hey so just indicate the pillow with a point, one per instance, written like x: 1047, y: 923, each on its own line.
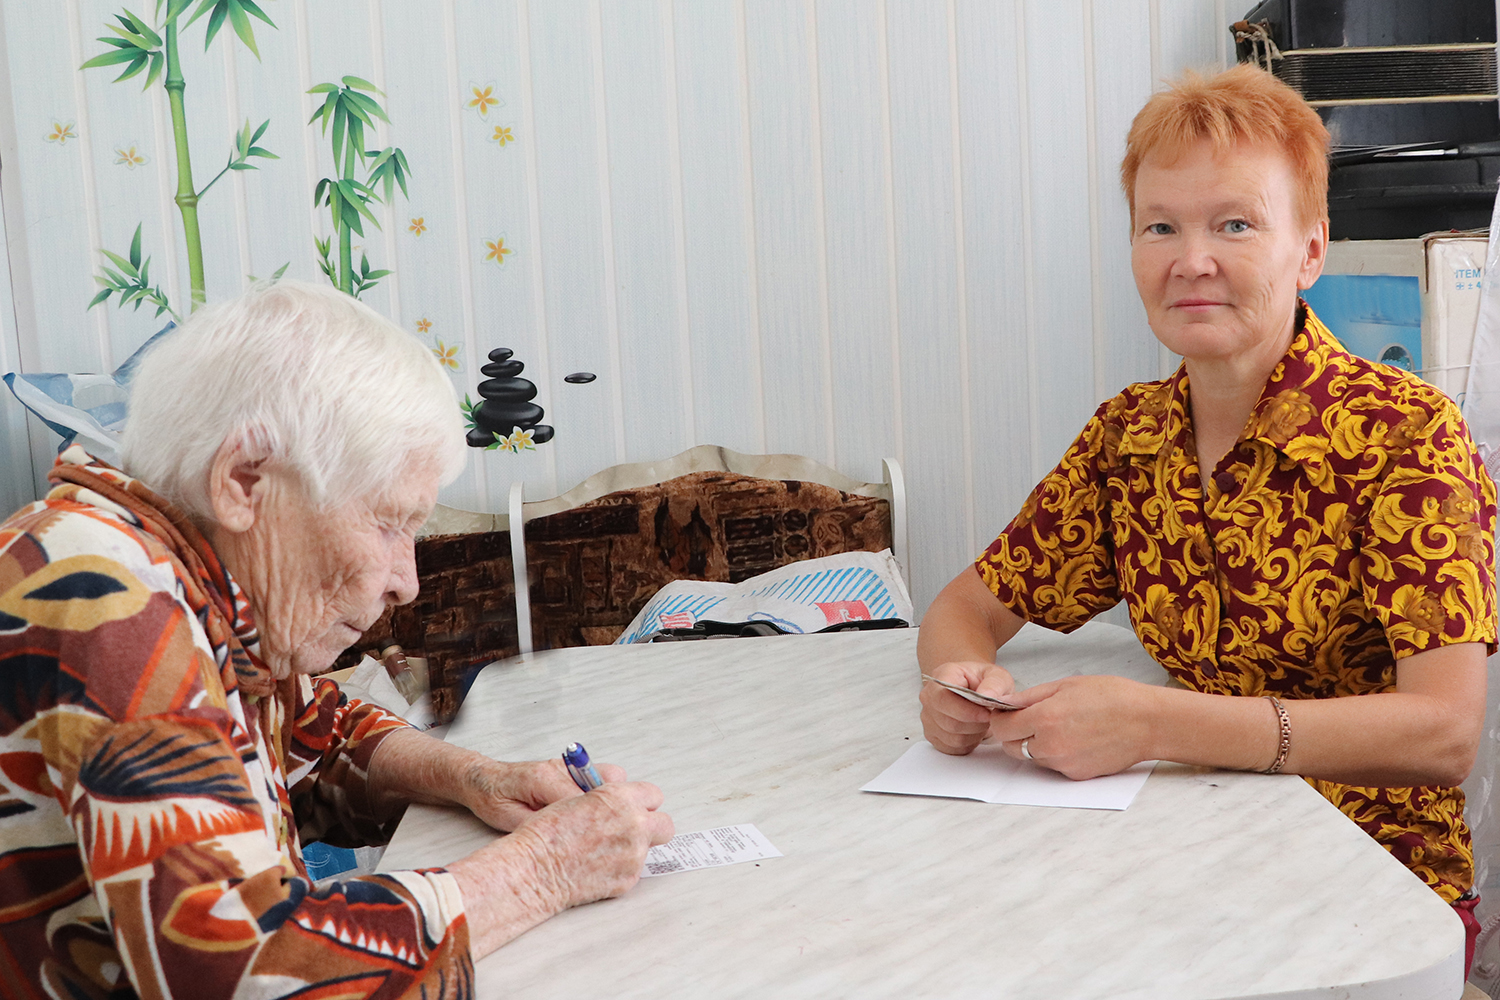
x: 88, y: 410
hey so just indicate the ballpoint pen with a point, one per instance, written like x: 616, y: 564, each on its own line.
x: 576, y: 760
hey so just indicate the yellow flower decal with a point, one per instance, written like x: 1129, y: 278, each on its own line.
x: 518, y: 440
x: 447, y: 355
x: 484, y: 98
x: 502, y: 135
x: 424, y: 325
x: 61, y: 133
x: 418, y: 225
x: 497, y: 250
x: 129, y: 157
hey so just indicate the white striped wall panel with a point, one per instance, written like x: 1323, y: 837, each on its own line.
x: 1005, y: 324
x: 17, y: 480
x: 859, y: 233
x: 931, y: 322
x: 729, y: 369
x: 787, y: 195
x: 650, y: 347
x: 842, y: 228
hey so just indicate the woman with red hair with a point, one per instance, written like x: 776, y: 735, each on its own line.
x: 1304, y: 539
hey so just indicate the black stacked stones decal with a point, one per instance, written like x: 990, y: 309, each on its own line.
x: 507, y: 403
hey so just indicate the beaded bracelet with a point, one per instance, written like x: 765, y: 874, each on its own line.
x: 1284, y: 745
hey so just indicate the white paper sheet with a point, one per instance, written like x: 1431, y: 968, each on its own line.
x: 990, y: 775
x: 725, y: 845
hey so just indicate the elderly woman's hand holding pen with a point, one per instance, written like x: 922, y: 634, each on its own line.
x: 577, y: 850
x: 566, y: 848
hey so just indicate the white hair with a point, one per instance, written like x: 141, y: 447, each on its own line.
x: 332, y: 389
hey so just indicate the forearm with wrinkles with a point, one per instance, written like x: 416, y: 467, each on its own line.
x: 410, y: 766
x: 509, y: 887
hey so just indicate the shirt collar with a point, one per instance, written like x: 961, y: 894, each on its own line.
x: 1287, y: 416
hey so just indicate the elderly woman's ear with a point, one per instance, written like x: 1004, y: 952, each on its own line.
x: 238, y: 481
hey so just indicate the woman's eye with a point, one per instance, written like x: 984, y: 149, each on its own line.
x: 1237, y: 226
x: 1159, y: 229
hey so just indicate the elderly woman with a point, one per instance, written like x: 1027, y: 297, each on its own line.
x: 163, y: 745
x: 1304, y: 539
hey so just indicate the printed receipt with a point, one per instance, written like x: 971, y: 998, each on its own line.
x: 725, y: 845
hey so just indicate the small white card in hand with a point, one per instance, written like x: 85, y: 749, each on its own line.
x: 974, y: 696
x: 725, y: 845
x: 989, y: 774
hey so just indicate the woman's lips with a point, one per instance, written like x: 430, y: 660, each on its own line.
x: 1195, y: 304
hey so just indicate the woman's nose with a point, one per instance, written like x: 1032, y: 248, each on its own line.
x: 402, y: 588
x: 1196, y: 259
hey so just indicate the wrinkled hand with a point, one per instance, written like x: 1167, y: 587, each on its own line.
x: 592, y: 846
x: 951, y: 723
x: 505, y: 795
x: 1082, y: 727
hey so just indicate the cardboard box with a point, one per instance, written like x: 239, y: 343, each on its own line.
x: 1448, y: 271
x: 1450, y: 308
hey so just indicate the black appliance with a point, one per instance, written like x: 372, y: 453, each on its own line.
x: 1408, y: 90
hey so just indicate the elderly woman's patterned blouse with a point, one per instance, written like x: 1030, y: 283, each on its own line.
x: 1352, y: 524
x: 155, y: 783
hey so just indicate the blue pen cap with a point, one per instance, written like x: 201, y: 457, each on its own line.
x: 576, y: 759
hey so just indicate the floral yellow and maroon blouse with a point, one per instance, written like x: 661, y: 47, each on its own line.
x: 1352, y: 524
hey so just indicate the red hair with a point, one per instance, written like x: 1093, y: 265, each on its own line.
x: 1241, y: 105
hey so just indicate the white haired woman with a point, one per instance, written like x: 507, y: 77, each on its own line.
x: 164, y: 748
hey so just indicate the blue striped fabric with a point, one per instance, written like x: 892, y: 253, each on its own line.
x: 853, y: 583
x: 671, y: 604
x: 848, y: 583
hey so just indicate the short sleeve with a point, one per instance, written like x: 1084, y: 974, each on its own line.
x: 1054, y: 563
x: 1428, y: 550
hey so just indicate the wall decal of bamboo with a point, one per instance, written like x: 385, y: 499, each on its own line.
x: 143, y: 48
x: 349, y: 110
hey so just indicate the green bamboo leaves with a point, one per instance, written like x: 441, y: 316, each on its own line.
x: 154, y: 50
x: 235, y: 11
x: 137, y: 45
x: 131, y: 280
x: 244, y: 148
x: 346, y: 112
x: 350, y: 113
x: 365, y: 278
x: 390, y: 168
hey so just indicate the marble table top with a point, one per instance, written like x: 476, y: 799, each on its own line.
x: 1212, y: 884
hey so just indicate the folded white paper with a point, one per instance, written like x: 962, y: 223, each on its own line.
x: 725, y: 845
x: 990, y: 775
